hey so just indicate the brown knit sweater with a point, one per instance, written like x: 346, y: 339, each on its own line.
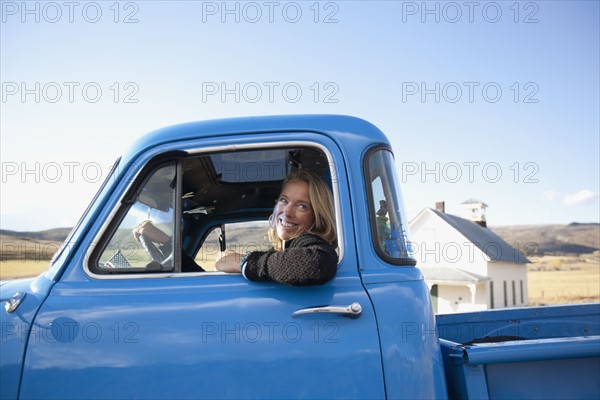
x: 306, y: 260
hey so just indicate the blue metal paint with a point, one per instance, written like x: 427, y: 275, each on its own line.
x: 533, y: 350
x: 527, y: 322
x: 542, y: 368
x: 215, y: 336
x: 548, y: 379
x: 412, y: 360
x: 15, y: 328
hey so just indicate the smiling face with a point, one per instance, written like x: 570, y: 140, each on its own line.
x: 294, y: 214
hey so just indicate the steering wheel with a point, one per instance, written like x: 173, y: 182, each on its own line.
x: 154, y: 252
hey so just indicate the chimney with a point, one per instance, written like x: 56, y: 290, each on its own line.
x: 440, y: 206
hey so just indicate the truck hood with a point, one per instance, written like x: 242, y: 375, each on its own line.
x: 22, y: 284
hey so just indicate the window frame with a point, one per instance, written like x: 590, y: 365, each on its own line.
x: 122, y: 209
x: 405, y: 261
x: 124, y: 203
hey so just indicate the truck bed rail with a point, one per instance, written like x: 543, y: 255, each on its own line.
x: 542, y: 368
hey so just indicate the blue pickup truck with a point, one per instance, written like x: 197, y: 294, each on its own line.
x: 114, y: 318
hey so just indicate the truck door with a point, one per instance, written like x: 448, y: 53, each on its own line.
x: 148, y: 330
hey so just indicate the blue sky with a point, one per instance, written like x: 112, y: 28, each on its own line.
x: 497, y: 101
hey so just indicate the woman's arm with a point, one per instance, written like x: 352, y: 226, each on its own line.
x: 229, y: 261
x: 151, y: 232
x: 298, y: 266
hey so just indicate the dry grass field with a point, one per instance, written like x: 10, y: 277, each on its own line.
x: 13, y: 269
x: 563, y: 280
x: 22, y: 257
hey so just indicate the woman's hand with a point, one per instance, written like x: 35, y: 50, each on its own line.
x: 151, y: 232
x: 229, y: 261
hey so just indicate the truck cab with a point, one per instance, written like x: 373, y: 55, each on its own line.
x: 119, y: 317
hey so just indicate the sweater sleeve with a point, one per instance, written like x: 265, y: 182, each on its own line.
x: 305, y: 262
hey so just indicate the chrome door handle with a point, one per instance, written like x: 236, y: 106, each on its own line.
x: 354, y: 310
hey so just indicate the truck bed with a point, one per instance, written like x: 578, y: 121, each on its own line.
x: 538, y: 352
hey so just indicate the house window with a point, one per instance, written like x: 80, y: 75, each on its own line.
x: 492, y: 294
x: 514, y: 294
x: 521, y: 284
x: 505, y: 296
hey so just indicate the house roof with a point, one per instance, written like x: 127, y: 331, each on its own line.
x: 484, y: 239
x: 451, y: 274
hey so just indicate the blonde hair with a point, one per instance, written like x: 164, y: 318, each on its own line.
x: 321, y: 201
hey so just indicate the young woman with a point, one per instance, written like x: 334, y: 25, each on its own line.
x: 302, y: 230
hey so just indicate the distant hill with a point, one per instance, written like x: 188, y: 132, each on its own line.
x: 36, y: 246
x: 572, y: 239
x: 56, y: 234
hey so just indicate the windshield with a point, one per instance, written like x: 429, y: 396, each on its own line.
x: 69, y: 238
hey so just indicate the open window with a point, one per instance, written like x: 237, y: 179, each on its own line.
x: 221, y: 201
x: 241, y: 237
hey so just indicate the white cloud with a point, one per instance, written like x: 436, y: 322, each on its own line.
x: 584, y: 196
x: 549, y: 195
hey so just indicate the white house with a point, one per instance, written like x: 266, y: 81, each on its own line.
x: 466, y: 266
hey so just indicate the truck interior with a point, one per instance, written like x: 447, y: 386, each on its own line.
x: 206, y: 203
